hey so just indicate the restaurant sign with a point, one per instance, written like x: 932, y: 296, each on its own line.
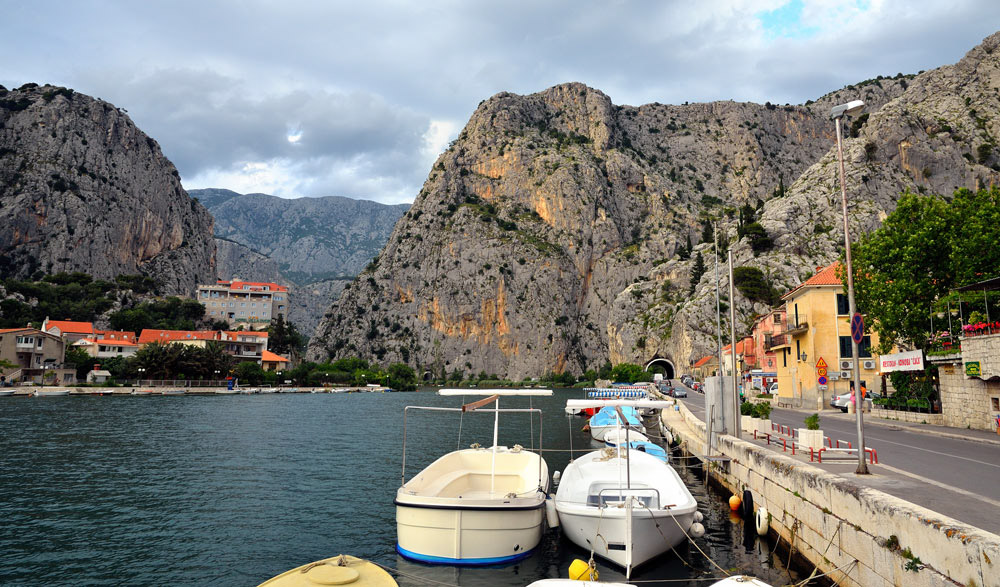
x: 908, y: 361
x: 972, y: 369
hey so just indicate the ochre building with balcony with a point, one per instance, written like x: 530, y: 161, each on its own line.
x: 817, y: 326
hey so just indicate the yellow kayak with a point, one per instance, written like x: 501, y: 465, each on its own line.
x: 342, y: 569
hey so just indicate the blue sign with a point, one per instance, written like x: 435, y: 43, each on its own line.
x: 857, y: 328
x: 822, y: 380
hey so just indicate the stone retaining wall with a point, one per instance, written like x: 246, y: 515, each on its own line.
x: 834, y: 522
x: 903, y: 416
x: 967, y: 402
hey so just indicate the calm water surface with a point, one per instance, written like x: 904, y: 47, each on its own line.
x: 232, y: 490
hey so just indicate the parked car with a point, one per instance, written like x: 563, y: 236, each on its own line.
x: 680, y: 392
x: 840, y: 401
x: 773, y: 388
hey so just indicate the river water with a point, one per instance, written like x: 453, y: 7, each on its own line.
x: 231, y: 490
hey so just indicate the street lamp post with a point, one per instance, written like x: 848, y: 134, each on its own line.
x: 837, y: 113
x: 141, y: 371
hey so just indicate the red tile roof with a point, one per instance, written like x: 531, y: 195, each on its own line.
x: 825, y: 276
x: 268, y: 356
x: 116, y: 334
x: 3, y: 330
x: 704, y: 360
x: 253, y: 285
x: 232, y: 334
x: 149, y: 335
x: 69, y: 326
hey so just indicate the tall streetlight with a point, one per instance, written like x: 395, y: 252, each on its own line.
x: 837, y: 113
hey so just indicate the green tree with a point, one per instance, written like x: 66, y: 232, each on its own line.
x: 629, y: 373
x: 707, y: 232
x: 753, y: 284
x: 249, y: 373
x: 696, y: 271
x: 401, y: 377
x: 924, y: 249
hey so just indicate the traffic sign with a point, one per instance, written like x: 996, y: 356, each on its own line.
x: 821, y: 371
x: 821, y: 364
x: 857, y: 328
x: 822, y: 380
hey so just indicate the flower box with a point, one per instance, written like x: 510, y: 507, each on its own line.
x: 810, y: 439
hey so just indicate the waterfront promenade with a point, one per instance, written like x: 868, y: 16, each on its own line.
x: 952, y: 471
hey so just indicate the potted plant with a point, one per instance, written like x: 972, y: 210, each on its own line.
x: 747, y: 417
x: 763, y: 412
x: 811, y: 436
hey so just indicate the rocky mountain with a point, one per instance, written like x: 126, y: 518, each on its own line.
x: 83, y: 189
x: 311, y: 239
x: 560, y: 230
x: 317, y: 245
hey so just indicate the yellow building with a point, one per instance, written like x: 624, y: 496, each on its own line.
x: 818, y: 331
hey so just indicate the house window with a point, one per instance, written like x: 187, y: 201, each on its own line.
x: 784, y: 357
x: 864, y: 349
x: 798, y: 351
x: 777, y: 318
x: 843, y: 308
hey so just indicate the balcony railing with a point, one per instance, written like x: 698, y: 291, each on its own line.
x: 775, y: 341
x: 796, y: 325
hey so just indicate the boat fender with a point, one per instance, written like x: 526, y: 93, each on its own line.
x: 556, y: 477
x: 762, y: 525
x: 551, y: 516
x: 747, y: 504
x: 698, y: 516
x: 734, y: 503
x: 582, y: 571
x: 697, y: 530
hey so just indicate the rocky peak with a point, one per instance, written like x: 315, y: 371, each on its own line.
x: 83, y: 189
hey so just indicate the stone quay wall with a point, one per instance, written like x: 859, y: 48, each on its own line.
x: 857, y: 534
x: 971, y: 402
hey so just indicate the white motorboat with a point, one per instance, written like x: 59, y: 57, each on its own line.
x: 624, y: 504
x: 6, y: 392
x: 477, y: 506
x: 608, y: 419
x: 50, y: 392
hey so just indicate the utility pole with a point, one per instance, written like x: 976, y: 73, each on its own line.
x: 732, y: 348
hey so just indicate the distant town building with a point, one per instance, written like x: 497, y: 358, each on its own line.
x: 38, y: 357
x: 244, y: 345
x: 94, y: 341
x: 817, y: 327
x: 243, y: 302
x: 705, y: 367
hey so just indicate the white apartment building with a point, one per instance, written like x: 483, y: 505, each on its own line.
x: 243, y: 302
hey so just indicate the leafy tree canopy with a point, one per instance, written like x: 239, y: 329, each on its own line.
x: 925, y: 248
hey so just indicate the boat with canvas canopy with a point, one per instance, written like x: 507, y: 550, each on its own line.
x: 608, y: 419
x: 474, y: 506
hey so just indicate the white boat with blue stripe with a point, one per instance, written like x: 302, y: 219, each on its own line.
x: 475, y: 506
x: 608, y: 419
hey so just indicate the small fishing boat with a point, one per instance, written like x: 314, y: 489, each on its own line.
x: 625, y: 505
x: 619, y: 391
x: 475, y: 506
x: 6, y: 392
x: 172, y: 392
x: 338, y: 570
x: 608, y: 419
x: 50, y: 392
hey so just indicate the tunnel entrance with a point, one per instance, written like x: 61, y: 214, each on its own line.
x: 663, y: 366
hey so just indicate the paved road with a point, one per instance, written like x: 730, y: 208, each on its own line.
x: 931, y: 466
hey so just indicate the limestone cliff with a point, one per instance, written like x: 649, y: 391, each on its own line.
x: 548, y: 236
x: 83, y: 189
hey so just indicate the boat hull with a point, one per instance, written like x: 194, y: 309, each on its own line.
x: 653, y: 531
x: 599, y: 432
x: 468, y: 536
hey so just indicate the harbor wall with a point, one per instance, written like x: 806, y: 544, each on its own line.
x: 859, y: 535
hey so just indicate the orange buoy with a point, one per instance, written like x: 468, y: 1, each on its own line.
x: 734, y: 503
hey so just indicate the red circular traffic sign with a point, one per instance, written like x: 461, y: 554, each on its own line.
x: 857, y: 328
x: 822, y: 380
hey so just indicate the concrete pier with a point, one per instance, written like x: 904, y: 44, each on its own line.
x: 859, y: 535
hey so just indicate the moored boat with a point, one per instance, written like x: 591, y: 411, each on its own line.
x: 625, y: 505
x: 50, y: 392
x: 475, y: 506
x: 338, y: 570
x: 608, y: 419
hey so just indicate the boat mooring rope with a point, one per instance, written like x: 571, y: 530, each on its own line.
x: 691, y: 540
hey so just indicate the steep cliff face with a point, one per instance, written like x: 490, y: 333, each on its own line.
x: 548, y: 236
x: 83, y: 189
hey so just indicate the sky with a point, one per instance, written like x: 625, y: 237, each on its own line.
x: 301, y: 98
